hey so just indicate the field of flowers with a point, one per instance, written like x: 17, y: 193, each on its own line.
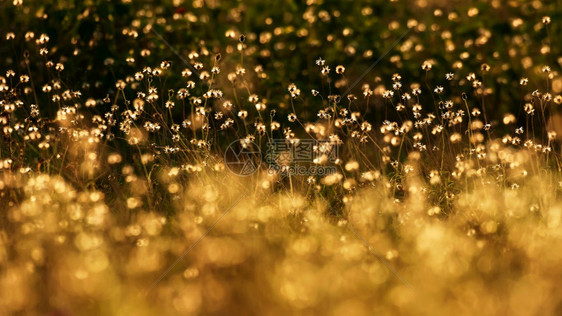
x: 280, y: 157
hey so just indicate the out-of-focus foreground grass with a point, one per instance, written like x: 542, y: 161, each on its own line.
x: 65, y: 251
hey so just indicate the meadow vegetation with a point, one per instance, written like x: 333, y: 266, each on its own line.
x: 116, y: 199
